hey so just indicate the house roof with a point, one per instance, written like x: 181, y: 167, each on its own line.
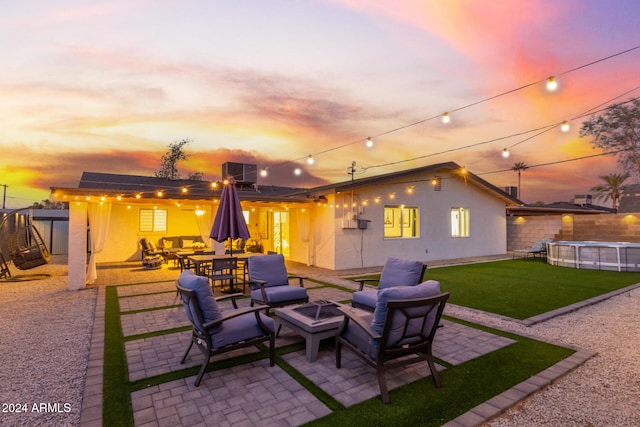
x: 96, y: 184
x: 127, y: 187
x: 378, y: 179
x: 557, y: 208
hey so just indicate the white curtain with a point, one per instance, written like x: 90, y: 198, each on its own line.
x: 205, y: 222
x: 304, y: 230
x: 99, y: 215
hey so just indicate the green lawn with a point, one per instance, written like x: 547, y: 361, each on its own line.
x: 523, y: 288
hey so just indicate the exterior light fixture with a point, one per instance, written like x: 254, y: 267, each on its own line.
x: 160, y: 193
x: 552, y: 84
x: 369, y: 142
x: 436, y: 182
x: 297, y: 171
x: 505, y: 153
x: 564, y: 127
x: 184, y: 189
x: 225, y: 182
x: 138, y: 196
x: 446, y: 118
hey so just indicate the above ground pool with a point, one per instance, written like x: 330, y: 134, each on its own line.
x: 617, y: 256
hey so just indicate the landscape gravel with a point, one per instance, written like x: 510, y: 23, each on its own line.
x: 44, y: 347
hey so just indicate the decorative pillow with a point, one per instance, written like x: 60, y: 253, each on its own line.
x: 426, y: 289
x: 167, y: 244
x: 269, y: 268
x: 204, y: 295
x: 187, y: 243
x: 400, y: 272
x: 152, y: 246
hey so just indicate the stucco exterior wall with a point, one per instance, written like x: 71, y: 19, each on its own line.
x: 356, y: 248
x: 124, y: 231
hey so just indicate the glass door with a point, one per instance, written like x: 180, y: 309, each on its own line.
x: 281, y: 233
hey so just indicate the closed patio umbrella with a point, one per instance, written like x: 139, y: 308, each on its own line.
x: 229, y: 222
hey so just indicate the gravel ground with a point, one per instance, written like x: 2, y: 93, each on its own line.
x: 44, y: 347
x: 605, y: 391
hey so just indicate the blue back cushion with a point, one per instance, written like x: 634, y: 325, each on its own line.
x: 204, y: 295
x: 400, y: 272
x: 269, y: 268
x: 426, y: 289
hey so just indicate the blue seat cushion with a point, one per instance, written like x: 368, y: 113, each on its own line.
x: 241, y: 328
x: 358, y: 337
x: 280, y: 294
x: 268, y: 268
x: 400, y: 272
x: 204, y: 296
x: 426, y: 289
x: 368, y: 298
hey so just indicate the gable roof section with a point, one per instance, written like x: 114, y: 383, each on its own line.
x: 378, y: 179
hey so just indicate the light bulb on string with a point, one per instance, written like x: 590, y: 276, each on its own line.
x: 446, y: 118
x: 310, y: 159
x: 297, y: 171
x: 505, y: 153
x: 263, y: 172
x: 369, y: 142
x: 552, y: 84
x: 564, y: 127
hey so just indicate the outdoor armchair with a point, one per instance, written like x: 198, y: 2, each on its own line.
x: 215, y: 332
x: 399, y: 332
x: 269, y: 282
x: 150, y: 249
x: 396, y: 272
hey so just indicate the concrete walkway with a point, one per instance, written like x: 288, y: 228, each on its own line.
x: 254, y: 393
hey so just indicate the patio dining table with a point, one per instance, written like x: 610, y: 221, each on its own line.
x: 200, y: 261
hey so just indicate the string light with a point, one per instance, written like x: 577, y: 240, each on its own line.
x: 263, y: 172
x: 310, y: 159
x: 369, y: 142
x: 297, y: 171
x: 564, y: 127
x: 505, y: 153
x: 446, y: 118
x: 552, y: 84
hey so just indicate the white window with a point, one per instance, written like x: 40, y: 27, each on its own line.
x: 153, y: 220
x: 459, y: 222
x: 401, y: 221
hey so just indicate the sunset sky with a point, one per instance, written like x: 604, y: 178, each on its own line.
x: 106, y: 86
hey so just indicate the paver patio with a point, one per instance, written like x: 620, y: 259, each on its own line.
x: 252, y: 393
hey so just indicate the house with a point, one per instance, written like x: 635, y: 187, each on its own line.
x: 629, y: 201
x: 435, y: 212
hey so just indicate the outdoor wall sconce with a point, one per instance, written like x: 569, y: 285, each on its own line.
x: 437, y: 183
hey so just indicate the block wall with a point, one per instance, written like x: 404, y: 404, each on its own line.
x: 523, y: 231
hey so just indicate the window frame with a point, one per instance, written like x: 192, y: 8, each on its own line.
x: 158, y: 224
x: 394, y: 219
x: 463, y: 222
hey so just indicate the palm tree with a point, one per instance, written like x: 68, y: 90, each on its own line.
x: 612, y: 188
x: 519, y: 167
